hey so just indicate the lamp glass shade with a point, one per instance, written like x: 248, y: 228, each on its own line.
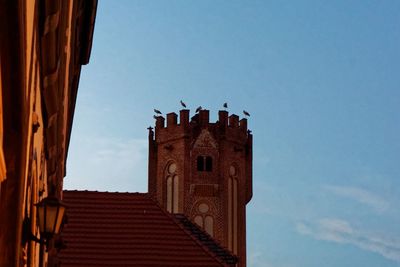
x: 40, y: 214
x: 60, y: 216
x: 50, y: 214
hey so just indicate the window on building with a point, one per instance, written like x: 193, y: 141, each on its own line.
x: 232, y: 208
x: 204, y: 163
x: 200, y: 163
x: 204, y: 219
x: 208, y: 164
x: 199, y: 220
x: 172, y: 183
x: 209, y: 225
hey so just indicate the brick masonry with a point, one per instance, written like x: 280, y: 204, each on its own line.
x: 228, y: 143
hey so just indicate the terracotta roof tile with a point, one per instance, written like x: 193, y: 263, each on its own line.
x: 129, y: 229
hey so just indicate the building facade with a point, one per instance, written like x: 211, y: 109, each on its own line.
x: 43, y: 44
x: 204, y: 171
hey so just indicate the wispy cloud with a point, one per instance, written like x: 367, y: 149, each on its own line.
x: 340, y: 231
x: 360, y: 195
x: 259, y: 259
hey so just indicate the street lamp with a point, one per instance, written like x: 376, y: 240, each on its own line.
x: 50, y: 214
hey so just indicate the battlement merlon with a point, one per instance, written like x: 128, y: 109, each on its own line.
x: 172, y: 120
x: 229, y: 125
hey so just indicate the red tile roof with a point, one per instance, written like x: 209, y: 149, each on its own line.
x: 130, y: 229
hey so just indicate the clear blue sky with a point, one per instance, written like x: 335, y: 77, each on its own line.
x: 321, y: 80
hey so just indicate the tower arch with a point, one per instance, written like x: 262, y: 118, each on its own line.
x: 203, y: 213
x: 233, y: 185
x: 171, y: 187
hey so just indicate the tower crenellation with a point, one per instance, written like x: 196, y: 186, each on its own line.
x: 203, y: 169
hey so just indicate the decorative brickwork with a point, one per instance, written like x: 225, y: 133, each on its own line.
x: 213, y: 163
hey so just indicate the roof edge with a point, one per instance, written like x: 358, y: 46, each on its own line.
x: 175, y: 220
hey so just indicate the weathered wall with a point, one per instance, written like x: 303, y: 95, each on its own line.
x: 43, y: 45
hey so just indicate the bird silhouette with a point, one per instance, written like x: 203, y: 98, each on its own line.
x: 198, y: 109
x: 157, y: 111
x: 246, y: 113
x: 225, y: 105
x: 183, y: 104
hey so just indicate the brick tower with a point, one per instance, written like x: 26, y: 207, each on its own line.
x: 204, y: 170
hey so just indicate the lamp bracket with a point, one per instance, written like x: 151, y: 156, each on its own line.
x: 27, y: 234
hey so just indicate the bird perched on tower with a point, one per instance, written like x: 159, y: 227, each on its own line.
x: 246, y: 113
x: 157, y: 111
x: 225, y: 105
x: 198, y: 109
x: 183, y: 104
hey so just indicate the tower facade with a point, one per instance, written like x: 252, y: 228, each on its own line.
x: 204, y: 170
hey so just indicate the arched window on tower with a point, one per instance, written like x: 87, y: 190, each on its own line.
x: 204, y: 163
x: 172, y: 184
x: 200, y: 163
x: 209, y: 225
x: 232, y: 208
x: 204, y: 219
x: 208, y: 163
x: 199, y: 220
